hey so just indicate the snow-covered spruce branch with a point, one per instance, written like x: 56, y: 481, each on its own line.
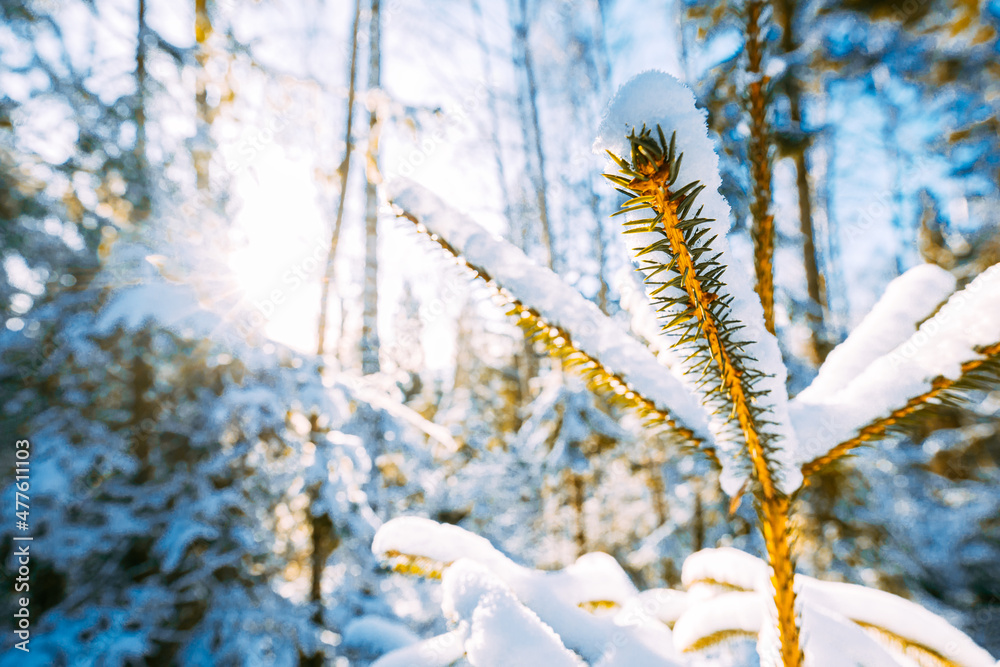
x: 677, y: 223
x: 570, y: 327
x: 480, y: 584
x: 954, y: 352
x: 726, y: 587
x: 906, y: 302
x: 505, y: 613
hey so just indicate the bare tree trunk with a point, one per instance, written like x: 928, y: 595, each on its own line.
x: 532, y: 127
x: 141, y: 202
x: 600, y: 72
x: 657, y: 490
x: 759, y: 154
x: 891, y: 145
x: 494, y: 115
x: 698, y: 525
x: 578, y: 491
x: 785, y: 11
x: 140, y: 83
x: 831, y: 279
x: 323, y: 541
x: 600, y: 251
x: 201, y: 153
x: 143, y: 411
x: 323, y: 537
x: 526, y: 361
x: 344, y: 170
x: 369, y: 323
x: 682, y: 42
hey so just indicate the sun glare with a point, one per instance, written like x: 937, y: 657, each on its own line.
x: 280, y: 245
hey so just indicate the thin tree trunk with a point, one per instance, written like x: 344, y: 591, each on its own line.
x: 833, y: 278
x: 494, y: 116
x: 814, y: 282
x: 201, y: 153
x: 698, y: 525
x: 599, y: 71
x: 682, y: 41
x: 527, y: 362
x: 891, y: 145
x: 140, y: 83
x: 323, y: 541
x: 578, y: 490
x: 369, y: 323
x: 600, y: 251
x: 759, y: 154
x: 785, y: 9
x: 344, y: 170
x: 143, y: 410
x: 142, y: 200
x: 532, y: 126
x: 658, y: 491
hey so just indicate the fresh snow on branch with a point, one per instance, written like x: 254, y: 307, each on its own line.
x: 906, y: 302
x: 440, y: 651
x: 654, y: 99
x: 377, y: 635
x: 644, y: 321
x: 830, y: 640
x: 737, y: 613
x: 555, y: 597
x: 558, y: 304
x: 502, y: 631
x: 509, y: 614
x: 833, y: 615
x: 895, y: 615
x: 731, y: 568
x: 969, y: 320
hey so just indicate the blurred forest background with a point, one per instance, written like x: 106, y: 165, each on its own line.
x: 233, y: 364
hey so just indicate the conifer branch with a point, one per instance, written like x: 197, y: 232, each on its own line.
x: 921, y: 655
x: 558, y: 342
x: 977, y: 375
x: 717, y: 639
x: 706, y: 326
x: 759, y: 154
x: 413, y: 565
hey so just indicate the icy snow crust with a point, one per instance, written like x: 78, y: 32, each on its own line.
x: 969, y: 319
x: 557, y: 303
x: 656, y: 98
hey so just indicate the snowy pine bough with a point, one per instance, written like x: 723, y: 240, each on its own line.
x: 722, y: 392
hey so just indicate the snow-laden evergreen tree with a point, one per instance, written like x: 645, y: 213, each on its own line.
x: 169, y: 478
x: 722, y: 393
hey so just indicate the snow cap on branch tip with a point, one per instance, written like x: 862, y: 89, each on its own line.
x: 656, y: 98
